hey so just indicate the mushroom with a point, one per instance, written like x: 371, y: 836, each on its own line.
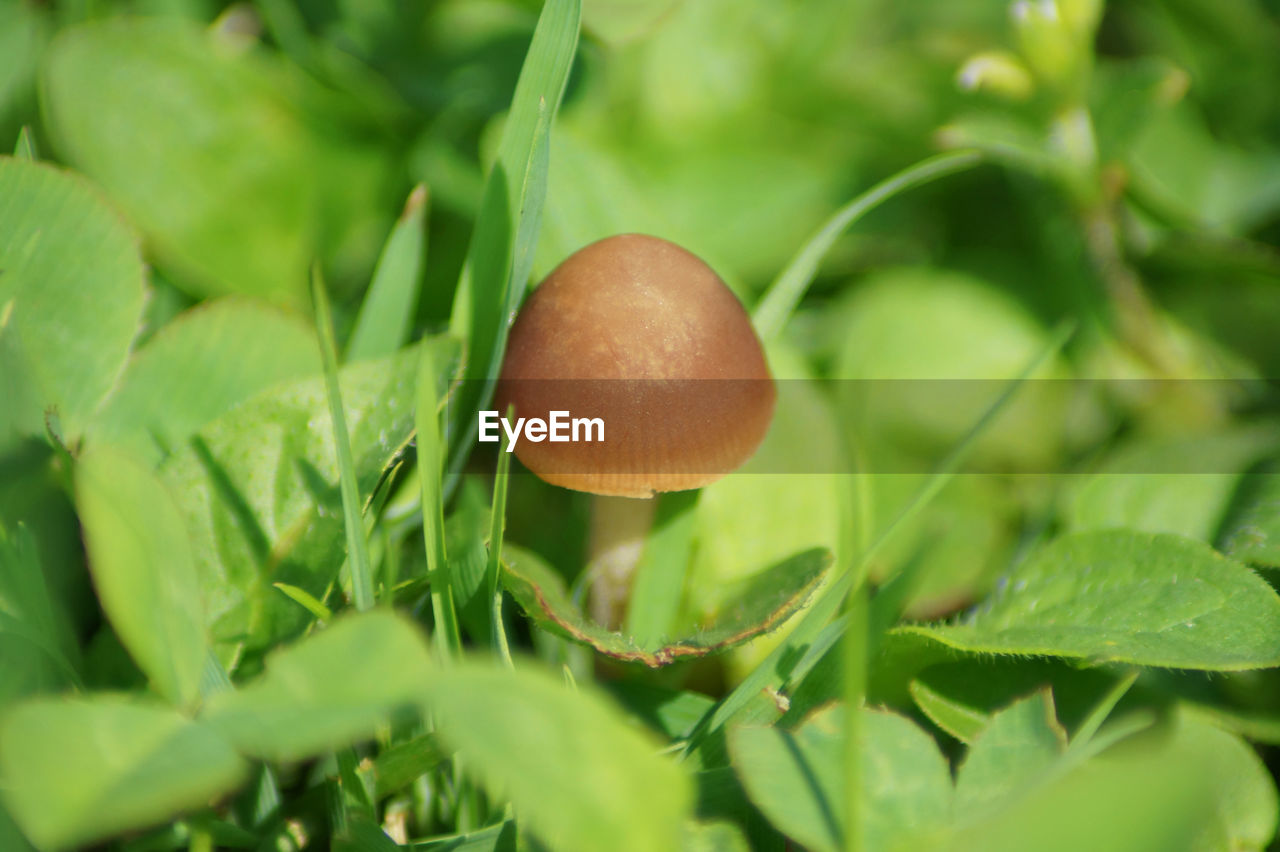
x: 643, y: 335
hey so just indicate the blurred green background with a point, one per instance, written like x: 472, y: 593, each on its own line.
x: 294, y: 130
x: 1130, y: 183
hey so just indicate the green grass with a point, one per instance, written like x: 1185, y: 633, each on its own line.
x: 353, y: 516
x: 431, y: 453
x: 500, y: 256
x: 493, y: 567
x: 782, y: 297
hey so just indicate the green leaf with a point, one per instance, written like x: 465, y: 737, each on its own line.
x: 386, y: 315
x: 961, y: 696
x: 1018, y: 747
x: 352, y: 507
x: 671, y: 713
x: 957, y: 719
x: 465, y: 532
x: 208, y: 150
x: 144, y: 570
x: 661, y: 570
x: 495, y: 838
x: 500, y: 256
x: 36, y: 644
x: 1156, y: 600
x: 331, y: 689
x: 432, y: 452
x: 1244, y: 792
x: 721, y: 797
x: 259, y: 492
x: 25, y: 148
x: 914, y: 395
x: 402, y: 764
x: 1131, y: 491
x: 24, y: 33
x: 1189, y: 788
x: 1127, y: 95
x: 183, y: 377
x: 718, y: 836
x: 765, y: 601
x: 59, y: 347
x: 1258, y: 726
x: 85, y: 769
x: 1177, y: 163
x: 580, y: 774
x: 1251, y: 530
x: 11, y: 837
x: 363, y: 836
x: 308, y: 602
x: 797, y: 779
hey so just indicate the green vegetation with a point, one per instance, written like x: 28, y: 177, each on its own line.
x: 1002, y: 575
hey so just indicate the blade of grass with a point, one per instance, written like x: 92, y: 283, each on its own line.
x: 430, y: 458
x: 784, y: 294
x: 382, y: 326
x: 400, y: 765
x: 1084, y: 735
x: 500, y: 256
x: 493, y: 569
x: 390, y: 574
x: 26, y: 147
x: 866, y: 619
x: 855, y: 506
x: 214, y: 678
x: 349, y: 799
x: 265, y: 798
x: 855, y: 691
x: 773, y: 671
x: 306, y: 600
x: 353, y: 518
x: 659, y: 575
x: 266, y: 792
x: 355, y: 784
x: 200, y: 840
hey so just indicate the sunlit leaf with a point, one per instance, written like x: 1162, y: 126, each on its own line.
x: 1157, y: 600
x: 85, y: 769
x: 326, y: 691
x: 209, y: 150
x: 581, y: 775
x: 258, y: 488
x: 58, y: 349
x: 386, y: 316
x: 797, y: 779
x: 765, y: 601
x: 36, y: 644
x: 183, y: 377
x: 144, y: 569
x: 1015, y: 749
x: 1192, y: 788
x: 1251, y: 529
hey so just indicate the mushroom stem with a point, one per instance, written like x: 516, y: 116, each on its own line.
x: 619, y: 526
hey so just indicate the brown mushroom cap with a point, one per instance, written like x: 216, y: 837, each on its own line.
x: 642, y: 334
